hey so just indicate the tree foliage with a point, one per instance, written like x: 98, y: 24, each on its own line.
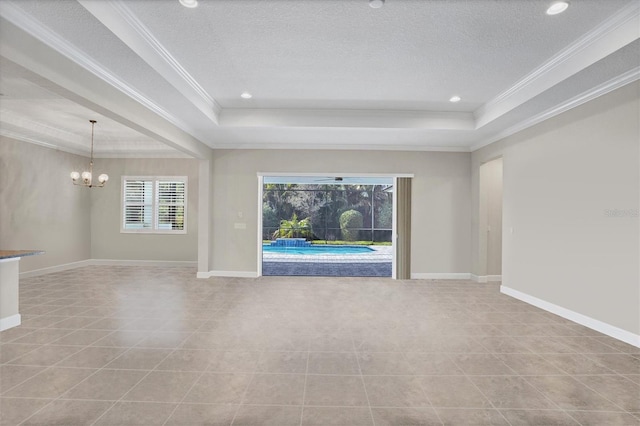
x: 350, y: 224
x: 269, y: 217
x: 323, y: 204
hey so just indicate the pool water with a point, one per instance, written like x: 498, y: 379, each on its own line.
x: 311, y: 250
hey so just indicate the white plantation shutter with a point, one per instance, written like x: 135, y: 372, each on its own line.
x: 171, y: 197
x: 152, y: 204
x: 138, y: 204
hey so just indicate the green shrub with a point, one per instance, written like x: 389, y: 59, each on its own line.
x: 350, y: 221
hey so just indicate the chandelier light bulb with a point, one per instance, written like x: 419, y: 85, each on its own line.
x: 86, y: 175
x: 75, y: 175
x: 103, y: 178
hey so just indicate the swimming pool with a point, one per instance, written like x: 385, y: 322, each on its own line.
x: 311, y: 250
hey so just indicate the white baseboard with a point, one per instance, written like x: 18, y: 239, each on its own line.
x: 234, y: 274
x: 10, y: 322
x: 112, y: 262
x: 594, y: 324
x: 479, y: 278
x: 441, y: 276
x: 486, y: 278
x: 57, y: 268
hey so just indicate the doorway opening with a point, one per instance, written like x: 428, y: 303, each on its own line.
x: 327, y: 226
x: 491, y: 182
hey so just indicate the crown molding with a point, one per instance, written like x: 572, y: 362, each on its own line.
x: 343, y: 147
x: 602, y: 89
x: 35, y: 28
x: 124, y: 24
x: 111, y: 154
x: 143, y: 154
x: 19, y: 121
x: 20, y: 137
x: 611, y: 35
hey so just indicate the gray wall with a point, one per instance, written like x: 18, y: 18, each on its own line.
x: 560, y: 179
x: 39, y: 206
x: 106, y: 206
x: 440, y: 208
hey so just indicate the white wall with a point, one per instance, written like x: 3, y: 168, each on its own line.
x: 106, y: 240
x: 40, y: 208
x: 561, y: 178
x: 440, y: 208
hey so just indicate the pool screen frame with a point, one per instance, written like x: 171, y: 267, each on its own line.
x: 394, y: 234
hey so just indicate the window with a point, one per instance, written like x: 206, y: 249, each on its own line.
x: 154, y: 204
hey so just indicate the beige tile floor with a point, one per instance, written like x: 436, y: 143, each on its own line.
x: 156, y: 346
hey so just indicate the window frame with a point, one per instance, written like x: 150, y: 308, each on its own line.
x: 154, y: 205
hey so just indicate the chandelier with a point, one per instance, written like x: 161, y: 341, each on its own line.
x: 85, y: 179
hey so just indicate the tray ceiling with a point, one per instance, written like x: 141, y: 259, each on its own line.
x: 322, y: 73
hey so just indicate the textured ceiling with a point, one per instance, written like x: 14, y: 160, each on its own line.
x: 323, y: 73
x: 410, y: 54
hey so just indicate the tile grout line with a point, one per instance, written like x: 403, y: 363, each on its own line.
x: 602, y: 396
x: 86, y: 378
x: 479, y: 390
x: 143, y: 377
x: 548, y: 398
x: 576, y: 378
x: 206, y: 369
x: 304, y: 389
x: 364, y: 386
x: 46, y: 367
x: 73, y: 387
x: 15, y: 341
x: 244, y: 394
x: 404, y: 356
x: 342, y: 406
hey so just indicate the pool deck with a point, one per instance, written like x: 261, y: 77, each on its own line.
x: 309, y: 269
x: 380, y: 254
x: 376, y: 263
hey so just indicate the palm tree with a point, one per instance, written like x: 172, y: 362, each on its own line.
x: 294, y: 228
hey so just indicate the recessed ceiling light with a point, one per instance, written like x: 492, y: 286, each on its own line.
x: 557, y: 7
x: 376, y: 4
x: 246, y: 95
x: 455, y: 98
x: 189, y: 3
